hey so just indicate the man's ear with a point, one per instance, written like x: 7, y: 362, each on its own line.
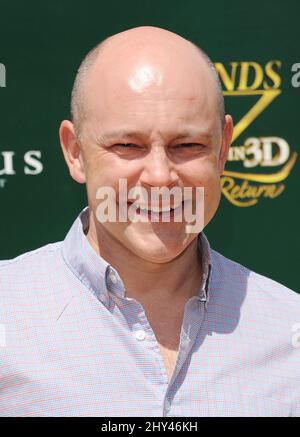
x: 226, y: 142
x: 72, y: 151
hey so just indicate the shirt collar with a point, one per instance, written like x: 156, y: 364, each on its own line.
x: 100, y: 277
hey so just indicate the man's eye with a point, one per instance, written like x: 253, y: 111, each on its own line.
x: 125, y: 145
x: 127, y: 150
x: 188, y: 145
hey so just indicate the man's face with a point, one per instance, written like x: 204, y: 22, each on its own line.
x: 154, y: 129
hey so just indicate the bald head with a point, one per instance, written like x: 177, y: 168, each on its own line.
x: 142, y: 57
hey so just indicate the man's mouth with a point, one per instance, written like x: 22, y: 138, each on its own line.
x: 152, y: 211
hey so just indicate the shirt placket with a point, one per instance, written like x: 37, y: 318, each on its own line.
x: 143, y: 333
x: 194, y: 315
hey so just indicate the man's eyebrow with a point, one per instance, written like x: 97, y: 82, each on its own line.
x: 195, y: 133
x: 122, y: 133
x: 118, y: 134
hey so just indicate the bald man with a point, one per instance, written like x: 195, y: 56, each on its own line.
x: 134, y: 314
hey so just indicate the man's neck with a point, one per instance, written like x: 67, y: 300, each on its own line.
x: 152, y: 283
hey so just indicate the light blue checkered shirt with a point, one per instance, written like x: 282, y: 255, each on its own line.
x: 72, y: 344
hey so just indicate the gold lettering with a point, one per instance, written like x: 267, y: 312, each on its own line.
x: 228, y: 81
x: 244, y: 76
x: 276, y: 79
x: 264, y: 101
x: 248, y: 194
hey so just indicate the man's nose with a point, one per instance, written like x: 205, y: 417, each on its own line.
x: 158, y: 170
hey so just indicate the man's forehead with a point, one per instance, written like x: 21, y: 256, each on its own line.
x: 133, y: 73
x: 147, y: 56
x: 150, y: 82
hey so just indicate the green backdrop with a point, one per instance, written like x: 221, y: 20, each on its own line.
x: 254, y: 45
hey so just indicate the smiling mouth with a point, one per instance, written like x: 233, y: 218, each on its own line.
x: 156, y: 211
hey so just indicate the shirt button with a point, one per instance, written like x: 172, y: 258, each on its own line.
x: 113, y: 278
x: 140, y: 335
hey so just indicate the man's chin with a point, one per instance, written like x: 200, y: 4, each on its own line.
x: 158, y: 247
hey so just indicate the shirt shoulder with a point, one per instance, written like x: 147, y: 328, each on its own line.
x: 30, y: 257
x: 258, y: 287
x: 36, y: 267
x: 35, y: 286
